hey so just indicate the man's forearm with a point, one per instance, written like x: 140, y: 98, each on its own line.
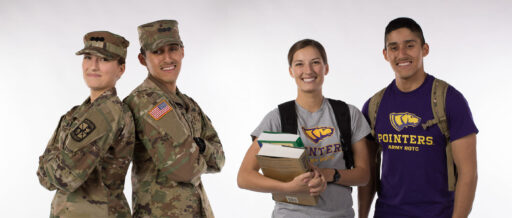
x: 365, y: 196
x: 464, y: 156
x: 464, y: 194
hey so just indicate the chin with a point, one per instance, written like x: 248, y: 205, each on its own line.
x: 166, y: 78
x: 310, y: 90
x: 170, y: 81
x: 92, y: 86
x: 405, y: 75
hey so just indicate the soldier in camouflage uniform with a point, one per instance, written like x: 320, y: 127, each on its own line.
x: 88, y: 156
x: 176, y: 141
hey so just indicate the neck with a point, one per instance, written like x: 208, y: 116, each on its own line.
x: 170, y: 87
x: 310, y: 101
x: 411, y: 83
x: 95, y: 94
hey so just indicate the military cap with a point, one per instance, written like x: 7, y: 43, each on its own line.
x: 159, y: 33
x: 105, y: 44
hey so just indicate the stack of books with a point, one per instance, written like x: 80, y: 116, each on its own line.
x: 282, y: 157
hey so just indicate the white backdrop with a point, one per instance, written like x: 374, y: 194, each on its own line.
x: 235, y: 67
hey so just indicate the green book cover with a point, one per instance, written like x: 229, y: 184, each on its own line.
x: 280, y: 138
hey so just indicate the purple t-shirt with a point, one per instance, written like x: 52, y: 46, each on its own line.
x: 414, y: 176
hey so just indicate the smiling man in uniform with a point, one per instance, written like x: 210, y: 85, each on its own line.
x: 176, y: 141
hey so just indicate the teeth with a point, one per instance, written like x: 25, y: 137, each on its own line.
x: 404, y: 64
x: 309, y: 80
x: 169, y: 68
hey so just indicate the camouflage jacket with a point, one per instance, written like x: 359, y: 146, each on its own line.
x: 87, y: 159
x: 167, y: 165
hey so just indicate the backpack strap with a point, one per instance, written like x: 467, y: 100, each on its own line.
x: 288, y: 117
x: 438, y: 102
x: 342, y: 115
x: 373, y: 108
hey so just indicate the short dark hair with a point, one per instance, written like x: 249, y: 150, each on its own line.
x: 143, y: 51
x: 121, y: 61
x: 305, y: 43
x: 404, y: 22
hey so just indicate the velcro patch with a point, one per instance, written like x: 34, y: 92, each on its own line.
x: 160, y: 110
x: 83, y: 130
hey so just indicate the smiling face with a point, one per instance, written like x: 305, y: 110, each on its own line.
x: 405, y: 53
x: 99, y: 73
x: 164, y: 63
x: 308, y: 69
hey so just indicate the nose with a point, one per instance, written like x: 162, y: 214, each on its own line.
x: 95, y: 64
x: 168, y: 56
x: 308, y: 69
x: 402, y: 52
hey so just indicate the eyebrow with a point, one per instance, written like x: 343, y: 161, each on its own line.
x: 314, y: 59
x: 405, y: 41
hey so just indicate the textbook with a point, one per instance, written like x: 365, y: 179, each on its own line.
x: 287, y: 139
x: 284, y: 163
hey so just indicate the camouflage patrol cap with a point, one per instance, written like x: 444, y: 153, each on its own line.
x: 104, y: 44
x: 159, y: 33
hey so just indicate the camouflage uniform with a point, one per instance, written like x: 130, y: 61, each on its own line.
x: 167, y: 162
x: 87, y: 158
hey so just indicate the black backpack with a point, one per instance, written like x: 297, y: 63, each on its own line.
x: 288, y: 116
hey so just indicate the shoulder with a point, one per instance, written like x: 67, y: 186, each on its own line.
x: 120, y: 110
x: 273, y: 115
x: 107, y: 113
x: 375, y: 99
x: 453, y: 93
x: 271, y: 122
x: 71, y: 111
x: 364, y: 110
x: 142, y: 99
x: 459, y: 115
x: 190, y: 100
x: 453, y: 96
x: 114, y: 105
x: 353, y: 110
x: 145, y: 90
x: 455, y: 101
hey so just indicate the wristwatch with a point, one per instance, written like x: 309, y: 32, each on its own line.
x: 336, y: 177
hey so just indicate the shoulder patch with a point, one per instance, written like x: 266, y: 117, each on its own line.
x: 83, y: 130
x: 160, y: 110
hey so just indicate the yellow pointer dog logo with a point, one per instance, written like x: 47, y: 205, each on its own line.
x: 405, y: 119
x: 317, y: 134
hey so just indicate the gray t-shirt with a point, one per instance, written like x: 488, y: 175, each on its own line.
x: 320, y: 135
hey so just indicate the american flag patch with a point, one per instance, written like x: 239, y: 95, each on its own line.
x: 160, y: 110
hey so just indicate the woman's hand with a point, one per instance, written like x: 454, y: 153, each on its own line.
x: 300, y: 183
x: 318, y: 184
